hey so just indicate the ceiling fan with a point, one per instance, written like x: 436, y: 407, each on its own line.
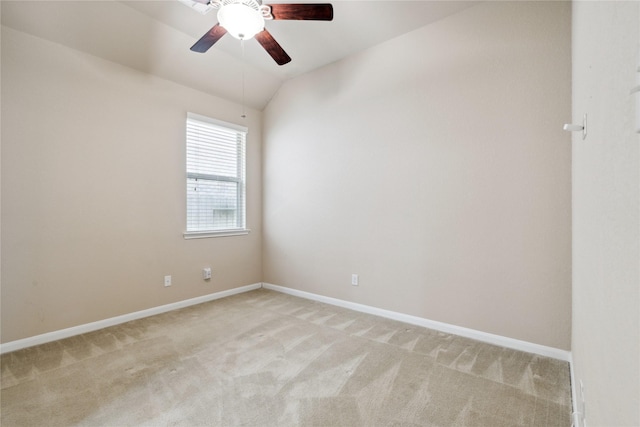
x: 244, y: 19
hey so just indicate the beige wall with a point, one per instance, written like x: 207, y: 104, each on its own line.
x: 435, y: 167
x: 606, y: 217
x: 93, y: 192
x: 443, y: 181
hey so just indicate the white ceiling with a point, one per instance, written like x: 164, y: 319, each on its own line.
x: 154, y: 36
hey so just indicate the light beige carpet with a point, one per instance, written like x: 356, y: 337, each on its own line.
x: 264, y: 359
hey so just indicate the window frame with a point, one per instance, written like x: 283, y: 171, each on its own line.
x: 240, y: 180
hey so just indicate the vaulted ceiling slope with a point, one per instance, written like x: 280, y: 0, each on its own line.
x: 154, y: 37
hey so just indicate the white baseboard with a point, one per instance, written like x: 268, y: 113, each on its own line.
x: 413, y: 320
x: 512, y: 343
x: 100, y: 324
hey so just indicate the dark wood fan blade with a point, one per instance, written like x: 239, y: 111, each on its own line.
x: 313, y: 12
x: 209, y: 39
x: 272, y: 47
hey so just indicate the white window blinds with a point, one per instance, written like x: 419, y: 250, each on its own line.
x: 215, y: 175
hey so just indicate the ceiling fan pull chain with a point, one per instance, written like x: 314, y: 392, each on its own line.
x: 243, y: 115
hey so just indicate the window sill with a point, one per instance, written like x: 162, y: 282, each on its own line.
x: 222, y: 233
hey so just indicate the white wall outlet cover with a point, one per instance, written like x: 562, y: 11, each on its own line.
x: 354, y: 279
x: 206, y: 273
x: 167, y: 280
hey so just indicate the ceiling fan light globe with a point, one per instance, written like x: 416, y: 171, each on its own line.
x: 241, y: 21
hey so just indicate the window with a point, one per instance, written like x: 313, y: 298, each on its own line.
x: 215, y: 178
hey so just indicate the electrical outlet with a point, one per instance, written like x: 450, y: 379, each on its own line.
x: 206, y: 273
x: 354, y: 279
x: 167, y: 281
